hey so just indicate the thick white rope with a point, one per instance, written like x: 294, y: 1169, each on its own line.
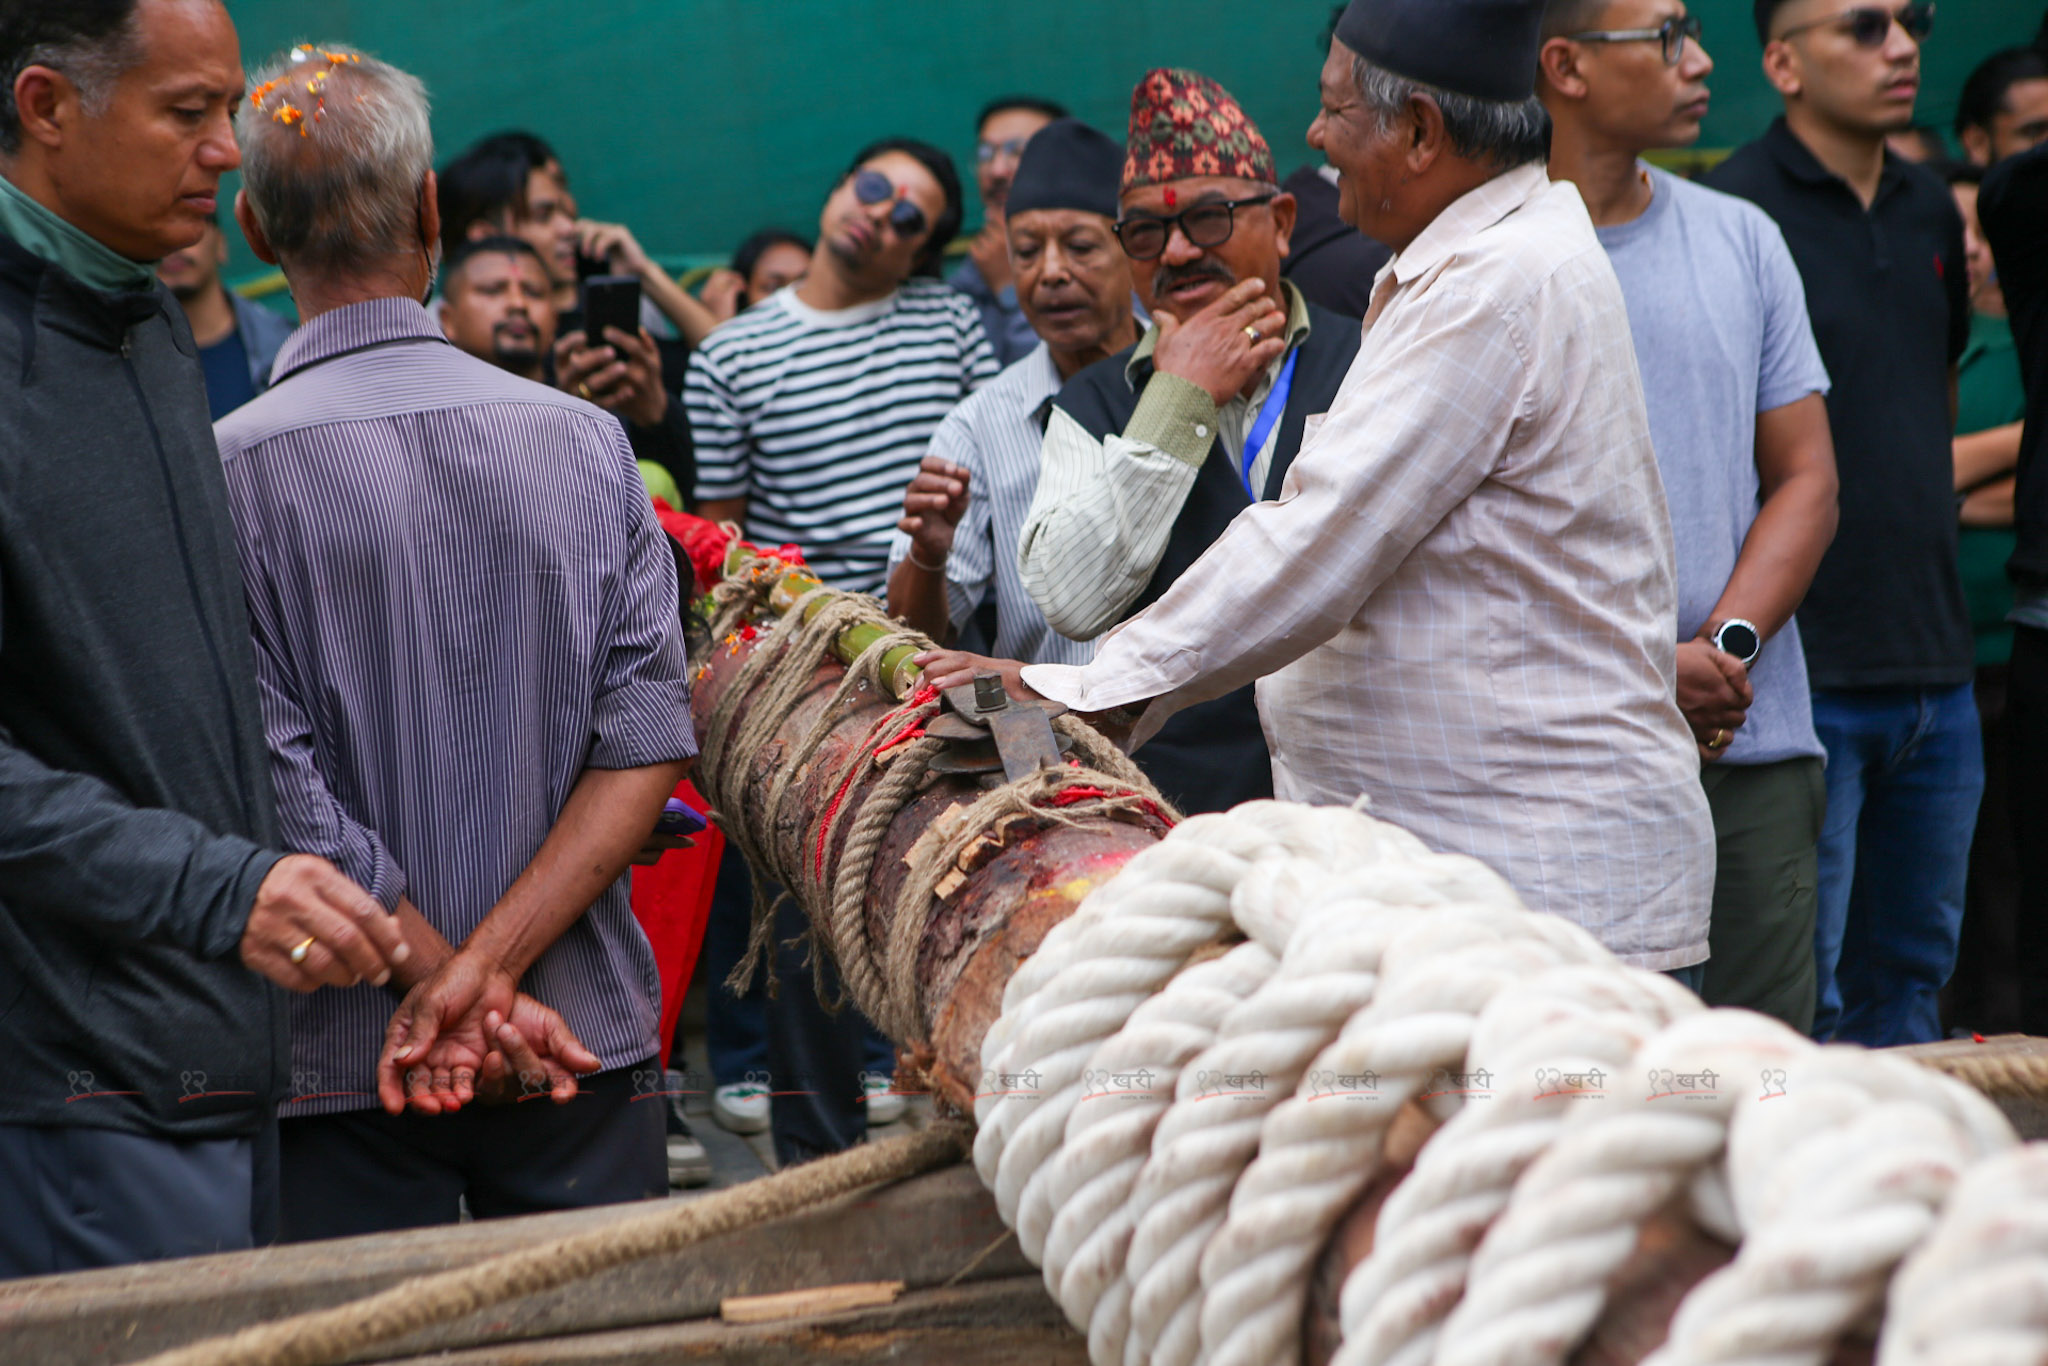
x: 1538, y: 1280
x: 1128, y: 1085
x: 1975, y: 1293
x: 1186, y: 1231
x: 1835, y: 1180
x: 1436, y: 977
x: 1558, y: 1041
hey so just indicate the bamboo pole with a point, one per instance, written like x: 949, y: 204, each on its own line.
x: 899, y: 675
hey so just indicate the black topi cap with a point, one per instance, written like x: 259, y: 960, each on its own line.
x: 1482, y: 48
x: 1067, y: 165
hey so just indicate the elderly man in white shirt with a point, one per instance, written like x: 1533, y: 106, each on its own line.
x: 1464, y: 601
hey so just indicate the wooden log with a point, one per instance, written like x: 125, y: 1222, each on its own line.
x: 992, y: 921
x: 923, y: 1232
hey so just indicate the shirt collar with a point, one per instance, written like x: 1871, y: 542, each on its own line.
x: 1298, y: 327
x: 67, y: 246
x: 1472, y: 212
x: 355, y: 327
x: 1797, y: 160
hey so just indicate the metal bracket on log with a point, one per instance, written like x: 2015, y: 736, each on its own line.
x: 986, y: 732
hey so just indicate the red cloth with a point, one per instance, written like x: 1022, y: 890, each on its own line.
x: 672, y: 902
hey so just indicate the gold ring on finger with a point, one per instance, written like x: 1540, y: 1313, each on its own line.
x: 1251, y: 334
x: 1719, y: 740
x: 583, y: 389
x: 300, y: 949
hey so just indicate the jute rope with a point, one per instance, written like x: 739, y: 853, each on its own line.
x: 326, y: 1336
x: 792, y: 848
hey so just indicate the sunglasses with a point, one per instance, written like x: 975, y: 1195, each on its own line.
x: 1209, y: 224
x: 872, y: 187
x: 1869, y: 26
x: 1671, y: 35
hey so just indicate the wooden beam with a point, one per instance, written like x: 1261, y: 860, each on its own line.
x: 922, y: 1232
x: 809, y: 1304
x: 1009, y: 1322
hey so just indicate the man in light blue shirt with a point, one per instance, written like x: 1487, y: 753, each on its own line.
x: 1736, y: 388
x: 954, y: 558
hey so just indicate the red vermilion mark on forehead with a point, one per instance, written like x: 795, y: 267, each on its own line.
x: 1171, y: 198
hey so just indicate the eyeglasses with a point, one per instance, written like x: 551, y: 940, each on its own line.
x: 1009, y: 147
x: 872, y: 187
x: 1869, y: 26
x: 1672, y: 34
x: 1209, y: 224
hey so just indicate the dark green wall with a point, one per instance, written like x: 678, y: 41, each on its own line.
x: 698, y: 120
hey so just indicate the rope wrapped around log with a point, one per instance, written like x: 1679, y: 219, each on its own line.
x: 825, y: 857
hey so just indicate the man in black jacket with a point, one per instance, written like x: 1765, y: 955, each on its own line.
x: 139, y: 879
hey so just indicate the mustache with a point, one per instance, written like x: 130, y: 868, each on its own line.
x: 1172, y: 277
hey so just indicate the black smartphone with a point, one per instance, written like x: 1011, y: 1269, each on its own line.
x: 610, y: 301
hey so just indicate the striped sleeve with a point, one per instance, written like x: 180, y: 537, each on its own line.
x: 723, y: 467
x: 978, y: 356
x: 1098, y: 525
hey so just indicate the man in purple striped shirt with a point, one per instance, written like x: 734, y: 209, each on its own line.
x: 474, y: 692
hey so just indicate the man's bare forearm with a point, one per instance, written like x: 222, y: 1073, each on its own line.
x: 1779, y: 556
x: 1795, y: 459
x: 918, y: 596
x: 608, y: 816
x: 1983, y: 456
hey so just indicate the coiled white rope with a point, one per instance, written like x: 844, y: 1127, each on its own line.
x: 1559, y: 1038
x: 1185, y: 1138
x: 1975, y: 1293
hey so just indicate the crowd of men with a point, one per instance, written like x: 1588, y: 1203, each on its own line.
x: 1678, y: 549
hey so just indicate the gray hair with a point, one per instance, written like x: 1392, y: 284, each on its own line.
x: 92, y: 44
x: 1502, y: 134
x: 334, y: 174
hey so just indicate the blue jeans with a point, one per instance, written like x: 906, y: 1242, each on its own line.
x: 1905, y: 772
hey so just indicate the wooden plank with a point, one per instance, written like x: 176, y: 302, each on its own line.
x: 922, y: 1232
x: 1011, y: 1322
x: 1983, y: 1064
x: 808, y: 1304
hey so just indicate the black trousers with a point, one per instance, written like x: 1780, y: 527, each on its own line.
x: 364, y: 1171
x: 814, y: 1055
x: 2026, y: 750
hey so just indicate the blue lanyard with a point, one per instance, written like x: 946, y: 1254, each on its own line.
x: 1276, y: 403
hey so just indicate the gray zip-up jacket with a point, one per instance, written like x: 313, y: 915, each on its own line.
x: 136, y: 817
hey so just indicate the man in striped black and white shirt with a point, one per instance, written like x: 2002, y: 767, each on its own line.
x: 956, y: 547
x: 812, y: 409
x: 474, y: 694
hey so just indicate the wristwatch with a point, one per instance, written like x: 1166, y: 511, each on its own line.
x: 1739, y: 638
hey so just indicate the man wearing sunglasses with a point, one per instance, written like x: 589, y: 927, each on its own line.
x: 1889, y: 651
x: 1734, y: 386
x: 811, y: 412
x: 1001, y: 133
x: 1149, y: 454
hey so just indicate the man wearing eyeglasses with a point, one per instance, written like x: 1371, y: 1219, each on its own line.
x: 1006, y: 125
x: 1149, y: 454
x: 1735, y: 391
x: 1463, y: 602
x: 1889, y: 651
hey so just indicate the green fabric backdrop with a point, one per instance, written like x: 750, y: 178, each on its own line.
x: 696, y: 121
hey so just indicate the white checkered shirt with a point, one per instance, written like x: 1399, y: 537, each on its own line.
x: 1464, y: 603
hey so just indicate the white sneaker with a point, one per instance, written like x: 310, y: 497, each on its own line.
x: 885, y: 1106
x: 741, y: 1107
